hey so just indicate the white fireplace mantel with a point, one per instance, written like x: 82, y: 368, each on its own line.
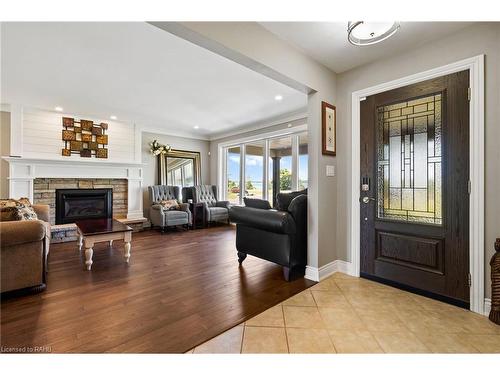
x: 23, y: 171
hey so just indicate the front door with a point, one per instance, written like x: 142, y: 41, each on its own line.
x: 415, y: 188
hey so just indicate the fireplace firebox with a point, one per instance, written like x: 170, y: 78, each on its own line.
x: 78, y: 204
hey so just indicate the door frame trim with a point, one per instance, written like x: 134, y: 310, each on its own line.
x: 475, y: 65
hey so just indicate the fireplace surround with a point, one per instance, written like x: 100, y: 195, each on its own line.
x: 78, y: 204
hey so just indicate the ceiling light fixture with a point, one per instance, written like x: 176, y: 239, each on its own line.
x: 58, y: 109
x: 278, y: 98
x: 113, y: 117
x: 362, y: 33
x: 196, y: 127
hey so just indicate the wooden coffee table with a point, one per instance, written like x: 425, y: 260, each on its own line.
x: 91, y: 231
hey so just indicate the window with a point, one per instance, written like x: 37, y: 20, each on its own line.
x: 254, y: 170
x: 409, y: 182
x: 245, y: 168
x: 233, y: 161
x: 303, y: 162
x: 280, y: 167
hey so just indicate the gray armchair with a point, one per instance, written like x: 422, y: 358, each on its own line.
x: 162, y: 217
x: 215, y: 211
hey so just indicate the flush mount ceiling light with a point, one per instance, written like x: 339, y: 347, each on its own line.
x: 58, y: 109
x: 113, y: 117
x: 278, y: 98
x: 362, y: 33
x: 196, y: 127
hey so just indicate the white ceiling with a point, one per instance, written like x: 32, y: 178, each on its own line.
x: 326, y: 42
x: 139, y: 73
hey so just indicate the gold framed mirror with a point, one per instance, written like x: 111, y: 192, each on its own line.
x: 179, y: 168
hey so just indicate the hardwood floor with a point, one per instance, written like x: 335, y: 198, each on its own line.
x: 179, y: 290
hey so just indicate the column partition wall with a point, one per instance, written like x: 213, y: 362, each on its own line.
x: 262, y: 166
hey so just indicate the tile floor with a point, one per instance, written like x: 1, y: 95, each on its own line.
x: 343, y: 314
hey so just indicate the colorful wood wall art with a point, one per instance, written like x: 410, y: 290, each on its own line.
x: 85, y: 138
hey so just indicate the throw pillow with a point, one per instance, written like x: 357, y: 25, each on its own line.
x: 170, y: 204
x: 8, y: 202
x: 15, y: 210
x: 25, y: 201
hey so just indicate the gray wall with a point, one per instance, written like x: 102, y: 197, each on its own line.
x: 178, y: 143
x: 471, y: 41
x: 4, y: 151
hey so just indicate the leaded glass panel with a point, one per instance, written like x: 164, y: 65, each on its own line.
x: 409, y: 183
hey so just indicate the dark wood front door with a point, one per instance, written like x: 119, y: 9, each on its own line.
x: 415, y: 187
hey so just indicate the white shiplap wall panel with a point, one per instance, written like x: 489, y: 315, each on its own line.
x: 42, y: 136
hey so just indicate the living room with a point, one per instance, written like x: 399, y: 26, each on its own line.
x: 192, y: 187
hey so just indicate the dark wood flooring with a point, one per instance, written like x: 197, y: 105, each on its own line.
x: 179, y: 290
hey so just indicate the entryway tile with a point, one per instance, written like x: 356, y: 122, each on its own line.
x: 264, y: 340
x: 427, y: 321
x: 227, y: 342
x: 304, y: 298
x: 272, y: 317
x: 327, y: 284
x: 446, y: 343
x: 381, y: 320
x: 354, y: 341
x: 341, y: 318
x: 484, y: 343
x: 305, y: 340
x: 330, y: 299
x: 302, y: 317
x: 400, y: 342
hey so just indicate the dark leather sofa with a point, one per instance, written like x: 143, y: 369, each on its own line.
x: 278, y: 235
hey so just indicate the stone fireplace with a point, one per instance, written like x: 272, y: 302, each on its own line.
x: 38, y: 180
x: 45, y: 191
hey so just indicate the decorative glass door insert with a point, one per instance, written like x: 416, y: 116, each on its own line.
x: 409, y: 160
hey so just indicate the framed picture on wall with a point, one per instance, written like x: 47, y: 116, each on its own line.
x: 329, y: 129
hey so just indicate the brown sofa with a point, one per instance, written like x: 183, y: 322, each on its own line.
x: 24, y: 247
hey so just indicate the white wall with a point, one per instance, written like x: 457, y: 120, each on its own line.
x: 179, y: 143
x: 42, y: 131
x: 4, y: 151
x: 471, y: 41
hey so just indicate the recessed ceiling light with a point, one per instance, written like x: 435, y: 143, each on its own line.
x: 113, y: 117
x: 362, y: 33
x: 278, y: 98
x: 196, y: 127
x: 58, y: 109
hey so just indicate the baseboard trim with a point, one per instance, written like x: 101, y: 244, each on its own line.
x: 318, y: 274
x: 487, y: 306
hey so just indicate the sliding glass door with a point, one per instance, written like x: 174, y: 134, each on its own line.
x: 265, y: 167
x: 254, y: 170
x: 233, y: 171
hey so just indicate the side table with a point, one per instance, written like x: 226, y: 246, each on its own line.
x: 198, y: 212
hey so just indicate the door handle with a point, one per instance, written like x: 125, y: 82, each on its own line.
x: 366, y: 200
